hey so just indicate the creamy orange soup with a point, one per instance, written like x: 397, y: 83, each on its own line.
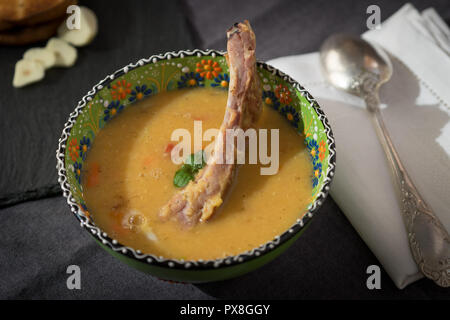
x: 129, y: 177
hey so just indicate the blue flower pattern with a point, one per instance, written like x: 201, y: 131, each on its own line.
x: 317, y: 173
x: 291, y: 114
x: 77, y: 171
x: 191, y: 79
x: 221, y: 81
x: 139, y: 92
x: 313, y: 149
x: 270, y: 99
x: 85, y: 143
x: 113, y: 108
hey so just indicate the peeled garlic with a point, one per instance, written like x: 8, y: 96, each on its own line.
x: 65, y: 54
x: 86, y: 33
x: 27, y: 71
x: 42, y: 55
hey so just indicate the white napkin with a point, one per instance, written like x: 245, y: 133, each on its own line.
x: 416, y: 110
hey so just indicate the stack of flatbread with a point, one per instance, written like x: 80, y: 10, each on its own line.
x: 28, y: 21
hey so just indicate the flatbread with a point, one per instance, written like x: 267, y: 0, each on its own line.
x: 5, y: 25
x: 15, y: 13
x: 32, y: 34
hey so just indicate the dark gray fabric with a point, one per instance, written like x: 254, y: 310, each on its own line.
x: 43, y: 238
x: 288, y: 27
x: 39, y: 239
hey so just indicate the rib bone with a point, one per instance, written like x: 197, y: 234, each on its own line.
x: 202, y: 196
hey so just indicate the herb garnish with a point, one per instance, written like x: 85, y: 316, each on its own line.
x: 189, y: 169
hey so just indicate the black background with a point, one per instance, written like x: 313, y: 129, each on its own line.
x: 39, y: 237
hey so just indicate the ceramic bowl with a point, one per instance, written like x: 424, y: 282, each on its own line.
x: 184, y: 70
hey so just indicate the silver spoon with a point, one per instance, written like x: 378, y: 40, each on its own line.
x: 353, y: 65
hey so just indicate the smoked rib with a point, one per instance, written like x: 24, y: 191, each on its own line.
x: 201, y: 197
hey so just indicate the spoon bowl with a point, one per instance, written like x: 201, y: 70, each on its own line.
x: 347, y: 59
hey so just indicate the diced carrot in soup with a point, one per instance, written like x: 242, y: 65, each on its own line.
x: 93, y: 177
x: 169, y: 147
x: 147, y: 161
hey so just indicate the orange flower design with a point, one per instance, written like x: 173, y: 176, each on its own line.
x: 208, y: 69
x: 322, y: 150
x: 74, y: 149
x: 120, y: 90
x: 283, y: 93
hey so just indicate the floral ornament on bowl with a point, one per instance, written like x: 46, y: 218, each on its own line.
x: 317, y: 153
x: 139, y: 92
x: 291, y: 114
x: 270, y: 99
x: 222, y: 81
x: 283, y: 93
x: 191, y: 79
x: 322, y: 150
x: 85, y: 143
x: 73, y: 149
x: 120, y: 90
x: 77, y: 171
x: 113, y: 108
x: 317, y: 173
x: 313, y: 149
x: 208, y: 68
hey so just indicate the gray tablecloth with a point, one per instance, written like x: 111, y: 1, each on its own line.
x: 329, y: 261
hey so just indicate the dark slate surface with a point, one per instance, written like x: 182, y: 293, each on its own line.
x: 33, y: 117
x: 41, y: 238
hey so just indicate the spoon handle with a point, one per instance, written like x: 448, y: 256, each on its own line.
x: 428, y: 239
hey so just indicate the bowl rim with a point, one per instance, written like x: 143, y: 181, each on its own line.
x: 153, y: 260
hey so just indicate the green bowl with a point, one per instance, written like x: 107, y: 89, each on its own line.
x: 183, y: 70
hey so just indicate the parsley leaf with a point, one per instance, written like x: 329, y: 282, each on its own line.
x: 189, y: 169
x: 182, y: 177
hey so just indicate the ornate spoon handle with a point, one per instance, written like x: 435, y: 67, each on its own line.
x: 428, y: 238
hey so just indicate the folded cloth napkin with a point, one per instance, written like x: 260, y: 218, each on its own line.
x: 416, y: 109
